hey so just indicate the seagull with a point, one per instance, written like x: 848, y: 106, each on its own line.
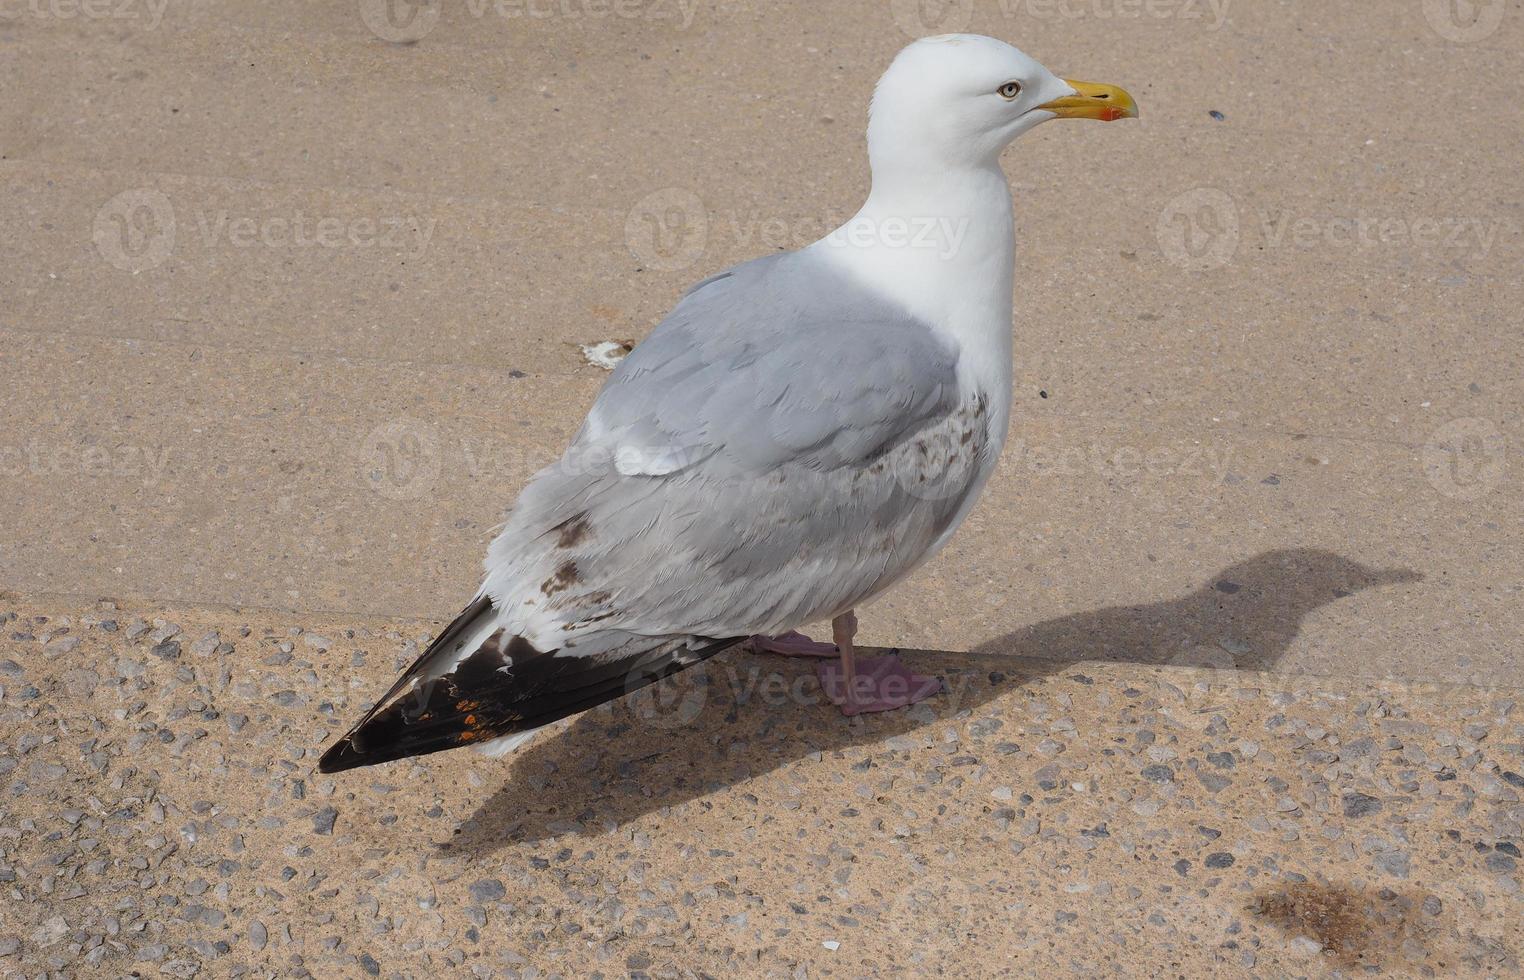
x: 800, y: 433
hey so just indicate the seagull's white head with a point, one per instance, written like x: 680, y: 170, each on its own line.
x: 957, y: 100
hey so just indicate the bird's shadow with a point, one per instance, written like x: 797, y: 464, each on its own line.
x: 741, y: 715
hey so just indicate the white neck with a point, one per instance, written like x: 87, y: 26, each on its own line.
x: 944, y: 247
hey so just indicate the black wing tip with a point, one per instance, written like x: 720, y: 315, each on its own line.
x: 342, y: 756
x: 345, y: 754
x: 400, y: 730
x: 349, y: 752
x: 472, y: 706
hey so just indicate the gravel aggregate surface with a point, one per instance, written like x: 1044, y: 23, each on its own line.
x: 161, y: 815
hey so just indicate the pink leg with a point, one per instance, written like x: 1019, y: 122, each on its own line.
x: 792, y: 644
x: 870, y: 683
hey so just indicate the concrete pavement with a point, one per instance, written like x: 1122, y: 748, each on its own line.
x: 293, y: 298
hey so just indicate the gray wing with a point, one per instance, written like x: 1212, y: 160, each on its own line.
x: 769, y: 365
x: 784, y: 445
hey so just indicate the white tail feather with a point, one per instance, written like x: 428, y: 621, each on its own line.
x: 499, y: 747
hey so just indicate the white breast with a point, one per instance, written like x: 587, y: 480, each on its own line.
x: 945, y: 250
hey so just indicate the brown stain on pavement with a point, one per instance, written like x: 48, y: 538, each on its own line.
x: 1358, y: 928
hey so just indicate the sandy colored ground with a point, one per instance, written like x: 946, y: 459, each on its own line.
x: 292, y: 301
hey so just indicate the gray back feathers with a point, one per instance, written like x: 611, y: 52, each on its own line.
x: 784, y: 445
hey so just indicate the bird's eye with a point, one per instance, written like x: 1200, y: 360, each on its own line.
x: 1009, y: 90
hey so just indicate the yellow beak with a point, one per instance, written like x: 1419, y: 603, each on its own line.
x: 1107, y: 103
